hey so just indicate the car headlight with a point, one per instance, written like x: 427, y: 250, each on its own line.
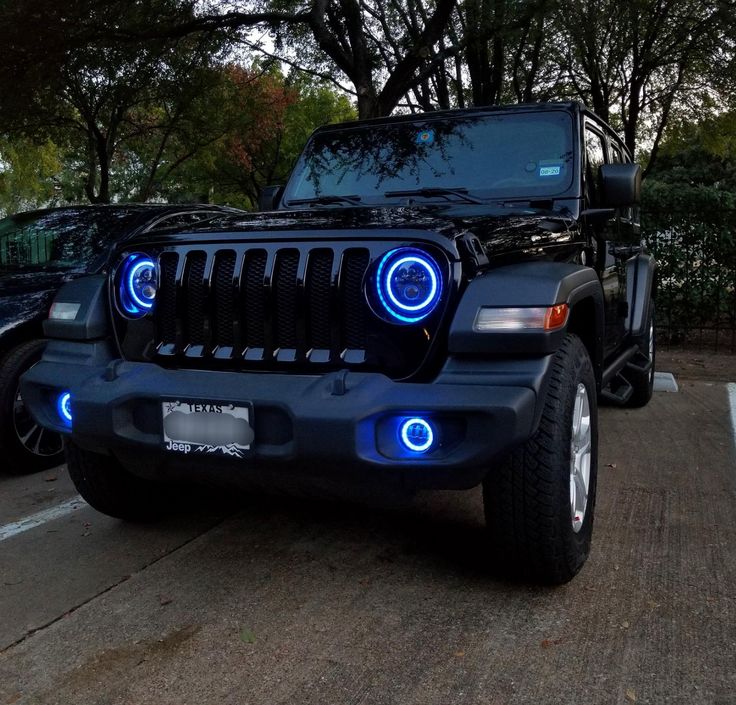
x: 137, y: 284
x: 408, y: 285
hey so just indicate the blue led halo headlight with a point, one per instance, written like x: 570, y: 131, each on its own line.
x: 137, y: 284
x: 416, y: 435
x: 64, y: 407
x: 408, y: 284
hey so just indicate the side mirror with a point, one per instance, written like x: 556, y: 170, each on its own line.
x: 621, y: 185
x: 269, y: 197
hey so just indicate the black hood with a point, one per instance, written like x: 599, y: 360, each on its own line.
x: 500, y: 230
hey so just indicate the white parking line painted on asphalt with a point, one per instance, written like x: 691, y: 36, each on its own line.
x: 31, y: 522
x: 732, y: 403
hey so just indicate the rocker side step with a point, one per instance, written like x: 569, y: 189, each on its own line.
x: 640, y: 363
x: 618, y: 391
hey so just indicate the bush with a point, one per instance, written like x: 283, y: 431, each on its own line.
x: 691, y: 230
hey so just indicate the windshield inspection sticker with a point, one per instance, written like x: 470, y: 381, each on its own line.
x: 425, y: 137
x: 550, y: 170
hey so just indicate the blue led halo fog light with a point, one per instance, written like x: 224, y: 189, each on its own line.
x: 64, y: 407
x: 137, y: 284
x: 416, y: 435
x: 409, y: 285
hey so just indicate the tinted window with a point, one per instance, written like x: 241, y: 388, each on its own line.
x: 616, y: 157
x: 63, y: 239
x: 595, y: 154
x: 508, y: 155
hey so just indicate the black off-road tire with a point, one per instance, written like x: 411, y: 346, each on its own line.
x: 527, y: 497
x: 108, y: 487
x: 25, y: 447
x: 643, y: 382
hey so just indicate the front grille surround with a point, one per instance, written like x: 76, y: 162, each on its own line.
x: 275, y: 306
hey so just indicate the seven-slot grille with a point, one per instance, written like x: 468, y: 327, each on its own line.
x: 263, y: 304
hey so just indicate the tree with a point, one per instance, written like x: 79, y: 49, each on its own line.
x: 634, y: 62
x: 700, y: 154
x: 270, y: 119
x: 103, y: 86
x: 640, y: 65
x: 29, y: 173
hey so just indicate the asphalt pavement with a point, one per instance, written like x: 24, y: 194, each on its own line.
x: 264, y: 600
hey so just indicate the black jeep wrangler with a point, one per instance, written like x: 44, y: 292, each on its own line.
x: 436, y: 301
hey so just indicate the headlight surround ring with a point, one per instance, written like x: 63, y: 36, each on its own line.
x: 137, y: 283
x: 407, y: 286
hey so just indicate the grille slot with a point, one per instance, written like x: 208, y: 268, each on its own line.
x: 224, y: 298
x: 285, y: 288
x: 195, y: 298
x: 254, y: 273
x: 319, y: 305
x: 354, y: 308
x: 166, y: 298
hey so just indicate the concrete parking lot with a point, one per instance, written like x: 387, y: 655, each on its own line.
x: 263, y: 600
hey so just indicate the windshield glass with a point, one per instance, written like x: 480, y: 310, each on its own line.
x: 70, y: 238
x: 508, y: 155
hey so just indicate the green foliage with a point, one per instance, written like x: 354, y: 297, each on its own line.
x: 271, y: 118
x: 702, y: 153
x: 316, y: 104
x: 691, y: 230
x: 104, y: 90
x: 29, y: 174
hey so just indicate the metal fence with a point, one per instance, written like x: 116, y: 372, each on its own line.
x: 693, y: 238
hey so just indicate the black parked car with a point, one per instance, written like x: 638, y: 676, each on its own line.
x: 435, y: 301
x: 39, y: 251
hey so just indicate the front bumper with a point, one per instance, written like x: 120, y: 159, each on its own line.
x: 342, y: 422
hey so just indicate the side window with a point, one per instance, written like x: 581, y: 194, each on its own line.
x: 616, y: 157
x: 595, y: 159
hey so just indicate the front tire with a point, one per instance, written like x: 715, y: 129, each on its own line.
x: 540, y: 501
x: 108, y: 487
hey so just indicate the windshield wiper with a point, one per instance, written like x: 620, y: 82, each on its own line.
x: 323, y: 200
x: 429, y: 191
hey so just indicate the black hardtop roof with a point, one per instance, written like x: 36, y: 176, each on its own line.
x: 570, y: 106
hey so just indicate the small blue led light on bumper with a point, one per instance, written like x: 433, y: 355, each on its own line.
x: 64, y: 407
x: 408, y: 284
x: 137, y: 284
x: 416, y: 435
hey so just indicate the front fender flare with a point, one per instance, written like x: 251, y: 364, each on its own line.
x: 521, y: 285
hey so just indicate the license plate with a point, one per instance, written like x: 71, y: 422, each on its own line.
x: 203, y: 428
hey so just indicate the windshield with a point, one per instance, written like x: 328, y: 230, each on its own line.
x: 490, y: 157
x: 64, y: 239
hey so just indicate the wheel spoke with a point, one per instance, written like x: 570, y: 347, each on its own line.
x: 24, y: 439
x: 581, y: 492
x: 580, y: 452
x: 577, y: 418
x: 37, y: 444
